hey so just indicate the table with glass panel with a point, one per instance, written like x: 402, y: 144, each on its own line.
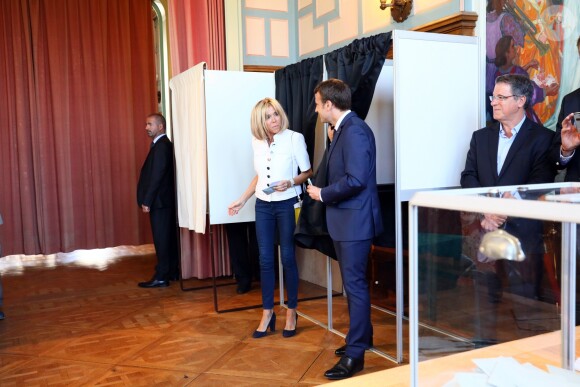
x: 476, y: 283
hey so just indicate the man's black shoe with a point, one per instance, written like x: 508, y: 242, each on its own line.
x: 345, y: 368
x: 340, y: 351
x: 154, y: 283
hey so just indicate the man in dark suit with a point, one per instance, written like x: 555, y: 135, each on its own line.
x: 563, y: 153
x: 353, y: 214
x: 512, y: 151
x: 156, y: 196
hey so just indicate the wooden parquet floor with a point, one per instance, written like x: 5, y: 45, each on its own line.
x: 81, y: 320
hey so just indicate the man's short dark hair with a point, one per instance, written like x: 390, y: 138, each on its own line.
x: 578, y: 42
x: 520, y: 85
x: 160, y: 119
x: 335, y: 91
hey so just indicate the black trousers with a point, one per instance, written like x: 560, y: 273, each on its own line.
x: 164, y: 230
x: 244, y: 254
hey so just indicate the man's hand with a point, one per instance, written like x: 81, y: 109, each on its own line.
x: 570, y: 136
x: 144, y: 208
x: 314, y: 192
x: 491, y: 222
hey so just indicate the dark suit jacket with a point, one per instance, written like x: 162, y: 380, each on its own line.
x: 156, y: 187
x: 570, y: 104
x: 527, y: 162
x: 352, y: 201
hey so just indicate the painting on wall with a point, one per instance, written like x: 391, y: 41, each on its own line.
x: 526, y: 37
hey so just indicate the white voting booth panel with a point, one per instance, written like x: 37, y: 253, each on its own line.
x: 381, y: 120
x: 424, y: 111
x: 230, y: 97
x: 436, y: 108
x: 436, y: 97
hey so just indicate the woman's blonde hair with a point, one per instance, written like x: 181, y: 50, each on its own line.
x: 258, y: 118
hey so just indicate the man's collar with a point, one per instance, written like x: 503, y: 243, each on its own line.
x: 158, y: 137
x: 340, y: 119
x: 515, y: 129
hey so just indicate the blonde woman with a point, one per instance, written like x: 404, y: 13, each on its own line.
x: 278, y: 154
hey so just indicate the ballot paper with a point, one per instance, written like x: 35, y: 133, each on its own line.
x: 270, y: 189
x: 508, y: 372
x: 467, y: 379
x: 569, y: 376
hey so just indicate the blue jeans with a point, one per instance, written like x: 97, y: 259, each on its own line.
x: 272, y: 216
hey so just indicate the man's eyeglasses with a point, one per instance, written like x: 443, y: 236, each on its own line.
x: 502, y: 98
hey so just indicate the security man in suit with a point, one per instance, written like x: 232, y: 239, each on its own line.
x: 353, y: 214
x: 567, y: 138
x: 156, y: 196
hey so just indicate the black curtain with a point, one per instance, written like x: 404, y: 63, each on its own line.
x: 359, y: 65
x: 295, y: 91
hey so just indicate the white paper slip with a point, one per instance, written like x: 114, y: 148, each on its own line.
x: 465, y: 379
x: 270, y: 189
x: 568, y: 376
x: 506, y: 373
x: 486, y: 365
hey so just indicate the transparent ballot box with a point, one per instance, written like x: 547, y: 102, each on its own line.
x: 492, y: 276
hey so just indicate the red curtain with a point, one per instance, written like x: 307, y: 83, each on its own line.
x: 77, y: 79
x: 197, y: 34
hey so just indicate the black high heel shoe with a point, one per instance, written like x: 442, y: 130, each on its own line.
x: 271, y: 325
x: 288, y: 332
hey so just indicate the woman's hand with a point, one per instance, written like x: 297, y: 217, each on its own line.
x: 235, y: 207
x: 283, y: 185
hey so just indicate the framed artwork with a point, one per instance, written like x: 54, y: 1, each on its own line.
x: 527, y: 37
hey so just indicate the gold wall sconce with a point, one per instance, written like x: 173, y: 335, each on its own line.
x: 400, y: 9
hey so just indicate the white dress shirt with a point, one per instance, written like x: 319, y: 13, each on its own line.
x: 505, y: 143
